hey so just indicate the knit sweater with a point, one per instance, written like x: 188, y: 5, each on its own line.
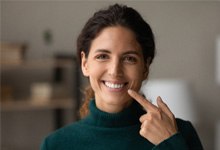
x: 119, y: 131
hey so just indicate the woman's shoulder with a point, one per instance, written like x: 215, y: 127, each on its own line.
x: 59, y: 137
x: 67, y: 129
x: 184, y: 125
x: 189, y: 133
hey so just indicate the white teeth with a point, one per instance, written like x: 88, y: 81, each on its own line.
x: 114, y: 86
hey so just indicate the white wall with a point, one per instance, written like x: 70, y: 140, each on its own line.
x: 185, y: 35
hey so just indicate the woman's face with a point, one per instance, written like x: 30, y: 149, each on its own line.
x: 115, y: 64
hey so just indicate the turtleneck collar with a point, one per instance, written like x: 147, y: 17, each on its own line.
x: 128, y: 117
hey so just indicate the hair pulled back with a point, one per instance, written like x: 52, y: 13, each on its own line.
x: 114, y: 15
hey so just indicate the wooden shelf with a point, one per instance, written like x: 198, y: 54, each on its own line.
x: 27, y: 105
x: 40, y: 63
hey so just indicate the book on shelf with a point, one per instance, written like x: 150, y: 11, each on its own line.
x: 12, y: 53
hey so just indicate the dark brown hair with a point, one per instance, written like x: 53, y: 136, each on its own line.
x: 114, y: 15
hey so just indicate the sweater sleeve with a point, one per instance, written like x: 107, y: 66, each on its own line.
x: 43, y: 146
x: 185, y: 139
x: 173, y: 143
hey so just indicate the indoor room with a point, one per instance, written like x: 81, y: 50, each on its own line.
x: 42, y: 85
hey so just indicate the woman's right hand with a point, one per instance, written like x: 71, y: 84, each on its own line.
x: 158, y: 123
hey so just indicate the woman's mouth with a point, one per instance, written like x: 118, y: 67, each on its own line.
x: 114, y: 85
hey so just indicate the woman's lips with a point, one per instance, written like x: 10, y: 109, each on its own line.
x: 114, y: 85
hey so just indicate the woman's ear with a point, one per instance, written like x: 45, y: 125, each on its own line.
x: 146, y: 72
x: 84, y: 65
x: 146, y: 69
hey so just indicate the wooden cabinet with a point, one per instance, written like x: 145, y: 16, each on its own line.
x: 29, y: 118
x: 61, y: 76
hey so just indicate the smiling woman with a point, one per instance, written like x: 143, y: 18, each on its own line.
x: 116, y: 48
x: 113, y: 66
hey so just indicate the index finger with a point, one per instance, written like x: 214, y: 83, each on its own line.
x: 141, y: 100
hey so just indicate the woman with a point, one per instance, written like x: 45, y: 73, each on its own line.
x: 116, y: 48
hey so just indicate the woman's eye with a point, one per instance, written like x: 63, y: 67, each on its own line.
x: 130, y: 59
x: 102, y: 57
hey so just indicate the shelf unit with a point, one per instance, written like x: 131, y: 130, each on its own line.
x: 27, y: 105
x: 56, y: 105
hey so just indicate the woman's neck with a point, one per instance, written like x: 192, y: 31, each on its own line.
x: 111, y: 108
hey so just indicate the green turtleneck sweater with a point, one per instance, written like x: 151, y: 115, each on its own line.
x: 104, y: 131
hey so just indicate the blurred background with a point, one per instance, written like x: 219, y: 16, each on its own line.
x: 41, y: 83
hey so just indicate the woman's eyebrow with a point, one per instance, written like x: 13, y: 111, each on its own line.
x: 132, y: 52
x: 102, y: 50
x: 125, y: 53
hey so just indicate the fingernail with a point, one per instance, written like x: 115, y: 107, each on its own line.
x: 130, y: 91
x: 159, y: 98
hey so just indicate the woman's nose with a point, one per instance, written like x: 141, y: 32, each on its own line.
x: 115, y: 68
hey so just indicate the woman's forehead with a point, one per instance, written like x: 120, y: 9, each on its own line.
x: 116, y: 37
